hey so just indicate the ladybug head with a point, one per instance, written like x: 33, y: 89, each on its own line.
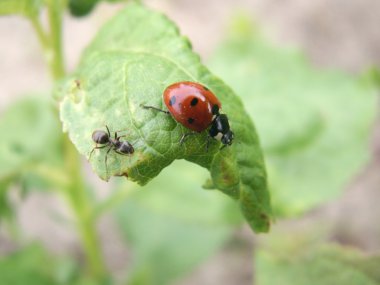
x: 220, y: 130
x: 227, y: 138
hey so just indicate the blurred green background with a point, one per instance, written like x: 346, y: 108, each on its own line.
x: 307, y: 75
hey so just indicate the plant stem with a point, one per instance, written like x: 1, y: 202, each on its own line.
x: 79, y: 201
x: 42, y: 37
x: 74, y: 190
x: 55, y: 59
x: 116, y: 198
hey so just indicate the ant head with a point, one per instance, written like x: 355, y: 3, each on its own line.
x: 100, y: 137
x: 126, y: 148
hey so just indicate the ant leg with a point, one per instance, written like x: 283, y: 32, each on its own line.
x: 185, y: 136
x: 92, y: 151
x: 155, y: 108
x: 125, y: 154
x: 108, y: 131
x: 118, y: 137
x: 122, y: 130
x: 118, y: 131
x: 96, y: 147
x: 106, y: 159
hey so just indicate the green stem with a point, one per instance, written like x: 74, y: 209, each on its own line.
x: 74, y: 189
x: 116, y: 198
x: 79, y: 201
x: 42, y: 37
x: 55, y: 8
x: 52, y: 42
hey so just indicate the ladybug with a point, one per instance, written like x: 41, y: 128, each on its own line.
x: 197, y: 108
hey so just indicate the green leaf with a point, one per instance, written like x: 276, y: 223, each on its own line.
x: 33, y: 265
x: 23, y: 7
x: 31, y: 135
x: 320, y: 265
x: 6, y: 209
x: 129, y: 64
x: 27, y: 266
x: 173, y: 227
x: 30, y: 149
x: 314, y: 124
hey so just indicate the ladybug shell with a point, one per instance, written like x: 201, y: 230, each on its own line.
x: 191, y: 104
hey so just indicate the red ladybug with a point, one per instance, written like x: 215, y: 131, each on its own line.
x: 197, y: 108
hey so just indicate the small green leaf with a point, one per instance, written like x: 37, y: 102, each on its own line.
x: 29, y: 149
x: 6, y: 209
x: 173, y: 227
x: 27, y: 266
x: 23, y: 7
x: 314, y: 125
x: 373, y: 76
x: 31, y: 134
x: 33, y: 265
x: 129, y: 64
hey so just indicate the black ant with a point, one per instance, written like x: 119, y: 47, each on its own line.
x: 105, y: 140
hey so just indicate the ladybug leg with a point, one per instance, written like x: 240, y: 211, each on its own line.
x: 223, y: 146
x: 185, y: 136
x: 208, y: 142
x: 156, y: 109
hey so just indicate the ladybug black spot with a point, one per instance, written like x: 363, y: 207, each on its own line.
x: 194, y: 102
x: 172, y: 101
x: 190, y: 120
